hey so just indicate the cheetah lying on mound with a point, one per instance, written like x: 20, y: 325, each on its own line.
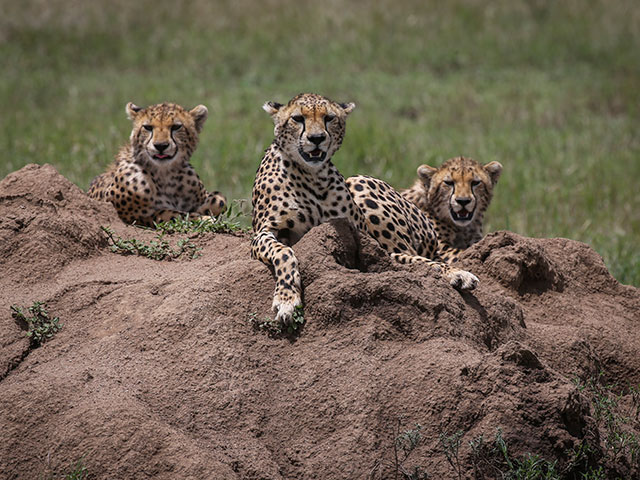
x: 297, y: 187
x: 455, y: 197
x: 151, y: 179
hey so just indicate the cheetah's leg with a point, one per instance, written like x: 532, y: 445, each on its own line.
x: 449, y: 254
x: 214, y: 204
x: 457, y: 278
x: 287, y: 295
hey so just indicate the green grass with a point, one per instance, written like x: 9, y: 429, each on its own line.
x: 394, y: 462
x: 618, y: 420
x: 610, y: 448
x: 494, y: 460
x: 76, y: 471
x: 161, y: 249
x: 229, y: 221
x: 550, y: 89
x: 157, y: 249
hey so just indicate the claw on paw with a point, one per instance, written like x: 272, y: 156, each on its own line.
x: 284, y: 313
x: 285, y: 310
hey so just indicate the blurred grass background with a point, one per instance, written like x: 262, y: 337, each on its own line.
x: 550, y: 89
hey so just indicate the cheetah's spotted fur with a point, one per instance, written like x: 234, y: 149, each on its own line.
x: 151, y: 179
x: 297, y: 187
x: 455, y: 197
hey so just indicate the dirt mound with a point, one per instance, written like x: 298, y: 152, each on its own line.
x: 44, y: 216
x: 158, y: 373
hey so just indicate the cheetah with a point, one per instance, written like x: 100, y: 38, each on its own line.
x: 455, y: 197
x: 297, y: 187
x: 151, y: 179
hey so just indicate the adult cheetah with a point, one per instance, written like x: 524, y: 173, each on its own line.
x: 297, y: 187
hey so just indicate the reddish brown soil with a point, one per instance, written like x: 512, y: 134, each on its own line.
x: 157, y: 372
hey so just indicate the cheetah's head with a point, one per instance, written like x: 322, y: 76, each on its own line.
x: 460, y: 190
x: 165, y: 132
x: 310, y: 128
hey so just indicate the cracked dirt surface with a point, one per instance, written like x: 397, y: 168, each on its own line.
x: 157, y: 372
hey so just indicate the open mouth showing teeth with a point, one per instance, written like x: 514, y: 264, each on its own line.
x: 314, y: 156
x: 462, y: 215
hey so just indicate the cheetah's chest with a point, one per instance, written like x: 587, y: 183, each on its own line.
x: 175, y: 193
x: 303, y: 208
x: 458, y: 238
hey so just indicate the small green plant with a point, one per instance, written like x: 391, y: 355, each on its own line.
x: 593, y: 474
x: 404, y: 445
x: 39, y: 325
x: 158, y: 249
x: 274, y: 327
x: 528, y: 467
x: 451, y: 447
x: 226, y: 222
x: 298, y: 319
x: 478, y: 454
x: 578, y: 460
x: 620, y: 422
x: 266, y: 324
x: 77, y: 471
x: 494, y: 461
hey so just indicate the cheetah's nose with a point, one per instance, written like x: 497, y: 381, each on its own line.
x: 160, y: 147
x: 463, y: 201
x: 317, y: 139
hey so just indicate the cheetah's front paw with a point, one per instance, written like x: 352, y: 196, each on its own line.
x: 285, y: 308
x: 462, y: 279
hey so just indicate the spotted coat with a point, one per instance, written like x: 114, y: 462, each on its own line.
x: 455, y: 197
x: 297, y: 187
x: 151, y: 179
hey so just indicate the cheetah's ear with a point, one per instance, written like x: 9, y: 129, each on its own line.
x: 199, y: 114
x: 132, y: 110
x: 348, y: 107
x: 425, y: 172
x: 272, y: 107
x: 494, y: 169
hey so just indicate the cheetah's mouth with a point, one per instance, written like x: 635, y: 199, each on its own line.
x: 162, y: 156
x: 463, y: 216
x: 314, y: 156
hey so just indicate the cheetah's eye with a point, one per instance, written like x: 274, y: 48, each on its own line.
x: 176, y: 126
x: 148, y: 128
x: 329, y: 118
x: 298, y: 118
x: 475, y: 183
x: 449, y: 182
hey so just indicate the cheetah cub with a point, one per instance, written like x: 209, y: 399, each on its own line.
x: 151, y: 179
x: 297, y: 187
